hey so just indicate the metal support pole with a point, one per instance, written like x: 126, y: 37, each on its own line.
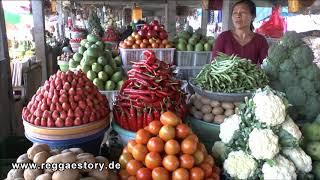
x: 6, y: 95
x: 204, y: 21
x: 226, y: 15
x: 39, y: 35
x: 170, y: 16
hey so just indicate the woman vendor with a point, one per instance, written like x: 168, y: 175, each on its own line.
x: 241, y: 40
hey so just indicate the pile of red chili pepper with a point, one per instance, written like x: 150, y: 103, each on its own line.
x: 149, y: 91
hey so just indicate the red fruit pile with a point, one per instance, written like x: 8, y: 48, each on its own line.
x: 75, y: 40
x: 66, y: 99
x: 110, y: 35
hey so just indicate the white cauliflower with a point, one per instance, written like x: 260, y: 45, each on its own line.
x: 229, y: 127
x: 292, y: 128
x: 269, y: 109
x: 240, y: 165
x: 283, y: 169
x: 263, y: 143
x: 300, y: 159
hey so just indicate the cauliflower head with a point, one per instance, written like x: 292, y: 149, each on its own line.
x: 269, y: 109
x: 300, y: 159
x: 240, y: 165
x: 263, y: 143
x: 229, y: 127
x: 283, y: 169
x: 292, y: 128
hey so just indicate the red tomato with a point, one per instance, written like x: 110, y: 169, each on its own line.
x: 155, y: 144
x: 167, y: 132
x: 207, y: 169
x: 144, y: 174
x: 124, y: 159
x: 170, y: 118
x: 124, y: 175
x: 209, y: 159
x: 143, y: 136
x: 133, y: 166
x: 180, y: 174
x: 186, y: 161
x: 198, y: 157
x: 153, y: 160
x: 131, y: 144
x: 196, y: 173
x: 188, y: 146
x: 139, y: 152
x: 170, y: 162
x: 154, y: 127
x: 160, y: 173
x: 182, y: 131
x: 172, y: 147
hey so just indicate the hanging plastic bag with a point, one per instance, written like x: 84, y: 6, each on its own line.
x: 275, y: 26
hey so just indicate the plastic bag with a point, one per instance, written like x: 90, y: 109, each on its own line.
x: 275, y: 26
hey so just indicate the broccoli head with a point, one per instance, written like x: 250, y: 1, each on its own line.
x: 291, y: 39
x: 270, y: 69
x: 278, y: 53
x: 296, y: 96
x: 288, y: 78
x: 277, y: 86
x: 307, y: 86
x: 316, y: 169
x: 302, y: 56
x: 311, y: 131
x: 287, y: 65
x: 312, y: 107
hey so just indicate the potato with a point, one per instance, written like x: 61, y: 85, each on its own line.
x: 229, y: 112
x: 227, y: 105
x: 85, y: 157
x: 65, y: 151
x: 68, y: 174
x: 99, y: 175
x: 88, y: 178
x: 219, y: 119
x: 41, y: 157
x: 208, y: 117
x: 37, y: 148
x: 23, y: 158
x: 68, y: 157
x: 198, y: 115
x: 215, y: 103
x: 206, y: 109
x: 192, y: 98
x: 15, y: 173
x: 205, y: 100
x: 237, y: 104
x: 19, y: 179
x: 101, y: 159
x: 76, y: 150
x: 197, y: 104
x: 217, y: 111
x: 45, y: 176
x: 198, y: 96
x: 193, y: 110
x: 55, y: 152
x: 31, y: 174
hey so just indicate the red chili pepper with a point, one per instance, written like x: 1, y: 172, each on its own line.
x: 133, y: 118
x: 156, y: 114
x: 142, y: 82
x: 149, y: 117
x: 145, y: 115
x: 117, y: 117
x: 124, y: 121
x: 125, y: 84
x: 162, y: 93
x: 140, y: 119
x: 129, y: 121
x: 136, y: 91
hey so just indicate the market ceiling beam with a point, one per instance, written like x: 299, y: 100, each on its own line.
x: 6, y: 96
x: 39, y: 36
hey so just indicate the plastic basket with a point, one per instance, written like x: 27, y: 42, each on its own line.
x: 208, y: 133
x: 192, y: 58
x: 64, y: 66
x: 186, y: 73
x: 134, y: 55
x: 124, y: 134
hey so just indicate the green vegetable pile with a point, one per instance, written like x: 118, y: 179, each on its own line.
x: 311, y: 144
x: 230, y: 74
x: 291, y: 70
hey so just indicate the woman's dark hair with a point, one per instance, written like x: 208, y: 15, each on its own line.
x: 252, y: 7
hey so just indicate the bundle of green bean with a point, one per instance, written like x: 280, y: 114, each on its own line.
x: 230, y: 74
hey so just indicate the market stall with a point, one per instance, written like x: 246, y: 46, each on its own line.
x: 156, y: 107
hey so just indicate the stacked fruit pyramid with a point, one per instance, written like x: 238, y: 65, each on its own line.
x: 66, y: 99
x: 167, y: 149
x: 98, y: 64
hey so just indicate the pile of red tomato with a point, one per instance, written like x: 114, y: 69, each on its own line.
x: 167, y: 149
